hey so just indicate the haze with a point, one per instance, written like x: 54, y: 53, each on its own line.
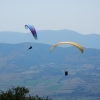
x: 82, y: 16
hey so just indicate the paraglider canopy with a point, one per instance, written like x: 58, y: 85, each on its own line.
x: 32, y: 29
x: 72, y: 43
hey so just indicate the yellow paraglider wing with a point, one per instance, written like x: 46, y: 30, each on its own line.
x: 72, y: 43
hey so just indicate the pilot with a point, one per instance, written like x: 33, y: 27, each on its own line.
x: 30, y: 47
x: 66, y: 73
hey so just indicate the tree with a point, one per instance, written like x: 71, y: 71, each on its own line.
x: 19, y: 93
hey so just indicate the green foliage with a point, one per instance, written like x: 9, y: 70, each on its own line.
x: 19, y: 93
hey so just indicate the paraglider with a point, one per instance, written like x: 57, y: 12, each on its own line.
x: 33, y: 31
x: 72, y: 43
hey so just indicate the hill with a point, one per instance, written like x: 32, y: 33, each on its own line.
x: 43, y: 72
x: 51, y: 37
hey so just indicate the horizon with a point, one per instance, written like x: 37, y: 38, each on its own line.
x: 50, y: 30
x: 51, y: 37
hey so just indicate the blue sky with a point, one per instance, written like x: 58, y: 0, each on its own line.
x: 82, y: 16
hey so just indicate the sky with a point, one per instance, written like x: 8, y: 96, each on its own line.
x: 82, y: 16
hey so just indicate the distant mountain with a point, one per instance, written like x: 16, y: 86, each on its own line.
x: 18, y: 55
x: 52, y: 37
x: 43, y: 72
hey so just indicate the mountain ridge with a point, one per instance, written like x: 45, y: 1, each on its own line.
x: 51, y: 37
